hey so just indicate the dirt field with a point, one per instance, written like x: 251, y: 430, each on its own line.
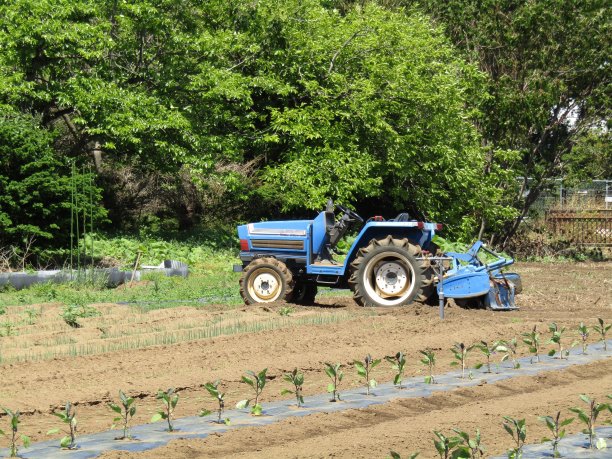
x: 333, y: 331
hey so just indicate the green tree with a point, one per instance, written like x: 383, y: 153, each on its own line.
x: 35, y: 185
x: 549, y: 77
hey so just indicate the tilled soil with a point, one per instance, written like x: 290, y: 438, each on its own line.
x: 563, y: 293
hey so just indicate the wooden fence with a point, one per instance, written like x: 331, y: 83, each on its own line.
x: 585, y: 227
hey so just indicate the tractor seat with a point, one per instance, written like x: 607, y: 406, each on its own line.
x: 403, y: 217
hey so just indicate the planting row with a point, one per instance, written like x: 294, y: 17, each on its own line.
x: 460, y: 445
x: 125, y: 409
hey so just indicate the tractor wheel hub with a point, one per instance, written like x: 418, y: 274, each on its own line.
x: 391, y: 278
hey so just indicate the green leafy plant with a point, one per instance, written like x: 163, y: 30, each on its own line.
x: 169, y: 400
x: 394, y: 455
x: 590, y: 417
x: 557, y: 338
x: 297, y: 379
x: 9, y: 328
x: 335, y: 374
x: 555, y: 425
x: 602, y: 329
x: 126, y: 410
x: 471, y: 448
x: 398, y: 362
x: 365, y: 368
x: 32, y: 315
x: 583, y: 332
x: 286, y: 311
x: 429, y: 360
x: 15, y: 420
x: 71, y: 313
x: 487, y: 350
x: 445, y: 445
x: 68, y: 416
x: 257, y: 381
x: 460, y: 352
x: 213, y: 390
x: 510, y: 350
x: 532, y: 340
x: 518, y: 431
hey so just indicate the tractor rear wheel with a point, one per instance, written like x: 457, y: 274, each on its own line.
x: 387, y: 273
x: 266, y: 280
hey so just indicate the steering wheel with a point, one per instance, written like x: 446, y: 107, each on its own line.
x: 350, y: 213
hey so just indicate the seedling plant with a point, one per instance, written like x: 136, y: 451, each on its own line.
x: 365, y: 368
x: 488, y: 351
x: 460, y: 353
x: 556, y: 427
x: 602, y: 329
x: 510, y: 349
x: 126, y: 410
x: 518, y: 431
x: 445, y: 445
x: 583, y: 332
x: 394, y: 455
x: 532, y: 340
x: 429, y: 359
x: 297, y: 379
x: 470, y: 448
x: 257, y: 381
x: 169, y: 400
x: 335, y: 374
x: 14, y: 419
x: 398, y: 362
x: 556, y: 338
x: 590, y: 417
x: 68, y: 416
x: 213, y: 390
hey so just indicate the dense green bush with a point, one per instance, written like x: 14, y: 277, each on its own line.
x: 35, y: 185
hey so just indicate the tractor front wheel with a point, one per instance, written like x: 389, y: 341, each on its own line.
x: 387, y: 273
x: 266, y: 280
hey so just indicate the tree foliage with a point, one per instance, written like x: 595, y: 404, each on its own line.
x: 288, y: 103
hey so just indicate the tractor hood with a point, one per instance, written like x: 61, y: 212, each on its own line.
x: 289, y: 228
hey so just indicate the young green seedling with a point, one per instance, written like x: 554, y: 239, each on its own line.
x: 532, y: 339
x: 429, y: 359
x: 257, y: 381
x: 602, y: 329
x: 518, y: 431
x: 445, y: 445
x: 14, y: 419
x: 509, y: 348
x: 213, y: 390
x: 335, y: 374
x: 169, y: 400
x: 589, y: 418
x: 68, y: 417
x: 555, y: 425
x: 470, y: 448
x: 297, y: 379
x: 126, y: 410
x: 488, y: 351
x: 556, y: 338
x: 398, y: 362
x: 460, y: 353
x: 583, y: 332
x: 394, y: 455
x: 365, y: 368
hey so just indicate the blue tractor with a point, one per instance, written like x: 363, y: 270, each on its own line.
x: 390, y: 263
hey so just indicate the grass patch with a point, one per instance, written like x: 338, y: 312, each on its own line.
x: 116, y: 332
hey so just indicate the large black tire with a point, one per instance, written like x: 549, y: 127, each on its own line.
x: 387, y: 273
x: 304, y: 293
x: 266, y: 280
